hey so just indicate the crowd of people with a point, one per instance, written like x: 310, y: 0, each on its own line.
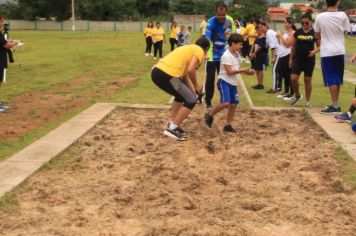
x: 231, y: 42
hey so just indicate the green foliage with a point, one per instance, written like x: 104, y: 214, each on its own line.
x: 250, y: 9
x: 296, y: 13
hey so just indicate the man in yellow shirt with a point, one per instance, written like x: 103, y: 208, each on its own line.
x: 176, y: 75
x: 158, y: 38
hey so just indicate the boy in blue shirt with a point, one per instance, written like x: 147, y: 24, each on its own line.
x: 227, y: 83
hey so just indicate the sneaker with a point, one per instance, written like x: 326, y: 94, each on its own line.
x: 288, y: 97
x: 182, y: 132
x: 258, y: 86
x: 155, y: 58
x: 147, y: 54
x: 174, y: 133
x: 331, y: 110
x: 208, y: 119
x: 307, y: 105
x: 228, y: 128
x: 282, y: 95
x: 3, y: 106
x: 2, y: 110
x: 208, y: 105
x: 295, y: 100
x: 344, y: 117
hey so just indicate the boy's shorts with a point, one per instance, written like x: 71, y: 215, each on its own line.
x: 333, y: 70
x: 353, y: 127
x: 228, y: 92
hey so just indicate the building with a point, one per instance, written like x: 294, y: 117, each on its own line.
x: 287, y: 4
x: 351, y: 13
x: 277, y: 13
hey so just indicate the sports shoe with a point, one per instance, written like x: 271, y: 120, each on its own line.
x: 295, y: 100
x: 288, y: 97
x: 228, y: 128
x: 307, y: 105
x: 258, y: 86
x: 2, y: 110
x: 174, y: 133
x: 282, y: 95
x: 3, y: 106
x: 155, y: 58
x: 208, y: 119
x: 331, y: 110
x: 180, y: 130
x: 147, y: 54
x: 208, y: 105
x: 344, y: 117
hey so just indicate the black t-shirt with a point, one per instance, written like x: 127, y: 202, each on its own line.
x: 305, y: 42
x: 262, y: 52
x: 3, y: 52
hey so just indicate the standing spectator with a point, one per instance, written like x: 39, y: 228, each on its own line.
x: 173, y: 40
x: 258, y: 57
x: 158, y: 38
x: 250, y: 33
x: 203, y: 25
x: 187, y: 36
x: 330, y: 28
x: 148, y: 35
x: 5, y: 45
x: 284, y: 64
x: 303, y: 58
x: 273, y: 45
x: 176, y: 75
x: 180, y: 36
x: 216, y: 29
x: 353, y: 29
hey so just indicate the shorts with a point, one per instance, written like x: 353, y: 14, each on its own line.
x: 2, y: 75
x: 303, y: 64
x: 175, y: 87
x: 228, y: 92
x: 333, y: 70
x: 353, y: 127
x: 258, y: 65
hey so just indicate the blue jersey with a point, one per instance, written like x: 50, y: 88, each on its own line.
x: 215, y: 32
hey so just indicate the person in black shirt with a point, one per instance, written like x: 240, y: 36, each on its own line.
x: 258, y: 56
x: 303, y: 58
x: 4, y: 46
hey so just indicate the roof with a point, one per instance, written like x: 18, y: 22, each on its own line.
x: 275, y: 10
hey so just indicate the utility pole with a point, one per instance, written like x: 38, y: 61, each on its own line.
x: 73, y: 16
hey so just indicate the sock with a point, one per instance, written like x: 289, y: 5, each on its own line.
x: 172, y: 126
x: 336, y: 105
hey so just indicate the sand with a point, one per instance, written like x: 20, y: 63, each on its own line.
x: 276, y: 176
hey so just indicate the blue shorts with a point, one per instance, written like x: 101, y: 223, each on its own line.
x: 228, y: 92
x: 353, y: 127
x: 333, y: 70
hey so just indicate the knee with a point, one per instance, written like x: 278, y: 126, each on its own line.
x: 190, y: 104
x: 354, y: 102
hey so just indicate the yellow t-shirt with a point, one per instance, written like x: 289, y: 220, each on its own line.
x: 157, y: 34
x: 174, y: 32
x: 176, y: 62
x: 203, y: 27
x: 251, y: 33
x: 148, y: 32
x: 242, y: 30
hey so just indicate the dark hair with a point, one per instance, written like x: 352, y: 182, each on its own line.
x: 172, y: 23
x: 307, y: 15
x: 189, y: 27
x: 235, y: 38
x: 263, y: 24
x: 157, y: 22
x: 291, y: 21
x: 331, y: 3
x: 148, y: 23
x: 204, y: 43
x: 220, y: 4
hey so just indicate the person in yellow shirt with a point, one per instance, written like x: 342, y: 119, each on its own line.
x: 250, y: 33
x: 148, y: 33
x: 203, y: 25
x: 173, y: 37
x: 158, y: 37
x: 176, y: 75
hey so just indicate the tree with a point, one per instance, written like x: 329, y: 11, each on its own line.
x: 249, y: 9
x: 296, y: 13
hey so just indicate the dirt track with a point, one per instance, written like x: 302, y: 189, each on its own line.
x: 276, y: 176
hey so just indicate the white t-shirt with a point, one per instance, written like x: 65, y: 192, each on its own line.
x: 231, y: 59
x: 332, y: 26
x: 353, y: 27
x: 283, y: 50
x: 271, y: 40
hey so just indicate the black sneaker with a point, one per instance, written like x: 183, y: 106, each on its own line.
x: 331, y: 110
x: 228, y: 128
x: 180, y: 130
x: 258, y: 86
x: 174, y: 133
x: 208, y: 119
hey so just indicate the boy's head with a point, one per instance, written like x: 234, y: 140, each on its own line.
x: 182, y: 28
x: 204, y: 43
x: 332, y: 3
x: 189, y: 28
x: 236, y: 41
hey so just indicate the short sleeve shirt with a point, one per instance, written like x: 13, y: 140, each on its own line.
x: 157, y: 34
x: 261, y: 43
x: 231, y: 59
x: 304, y: 42
x: 176, y: 62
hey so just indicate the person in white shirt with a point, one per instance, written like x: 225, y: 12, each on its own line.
x: 227, y: 83
x: 330, y: 28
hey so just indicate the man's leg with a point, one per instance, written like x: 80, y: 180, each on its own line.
x: 209, y: 83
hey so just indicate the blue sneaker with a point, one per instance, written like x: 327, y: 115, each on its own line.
x: 344, y: 117
x: 3, y: 106
x: 2, y: 110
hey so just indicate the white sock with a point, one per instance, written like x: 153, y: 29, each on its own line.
x: 172, y: 126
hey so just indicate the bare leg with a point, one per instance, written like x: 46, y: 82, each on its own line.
x: 334, y: 93
x: 295, y: 84
x: 182, y: 114
x: 308, y: 88
x: 230, y: 113
x: 259, y: 75
x: 218, y: 108
x: 175, y: 106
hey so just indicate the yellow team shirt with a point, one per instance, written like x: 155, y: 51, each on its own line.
x: 157, y: 34
x: 203, y: 27
x: 176, y: 62
x: 242, y: 30
x: 148, y: 32
x: 251, y: 33
x: 174, y: 32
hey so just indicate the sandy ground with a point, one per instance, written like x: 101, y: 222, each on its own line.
x: 276, y: 176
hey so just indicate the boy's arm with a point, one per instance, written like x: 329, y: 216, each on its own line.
x: 231, y: 71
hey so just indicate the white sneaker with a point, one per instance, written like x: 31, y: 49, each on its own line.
x: 307, y: 105
x: 155, y: 58
x: 147, y: 54
x: 151, y: 54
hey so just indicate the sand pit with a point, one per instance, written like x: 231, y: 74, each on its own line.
x: 276, y: 176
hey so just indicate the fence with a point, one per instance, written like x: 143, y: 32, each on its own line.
x: 114, y: 26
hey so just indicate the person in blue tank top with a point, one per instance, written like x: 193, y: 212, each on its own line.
x: 218, y: 27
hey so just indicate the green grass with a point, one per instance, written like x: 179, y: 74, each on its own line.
x: 351, y: 49
x: 348, y: 166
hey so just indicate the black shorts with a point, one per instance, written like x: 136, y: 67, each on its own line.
x: 175, y: 87
x: 305, y: 64
x: 2, y: 73
x: 258, y: 64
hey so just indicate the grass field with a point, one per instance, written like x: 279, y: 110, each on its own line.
x: 51, y: 59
